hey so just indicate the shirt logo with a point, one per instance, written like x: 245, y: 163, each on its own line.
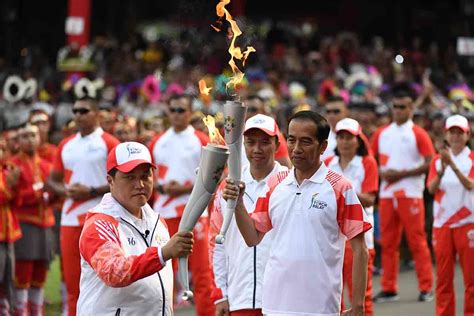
x: 133, y: 150
x: 470, y: 236
x: 131, y: 241
x: 317, y: 204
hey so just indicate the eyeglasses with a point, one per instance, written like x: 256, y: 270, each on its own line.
x: 81, y: 111
x: 252, y: 109
x: 333, y: 111
x: 399, y: 106
x: 177, y: 110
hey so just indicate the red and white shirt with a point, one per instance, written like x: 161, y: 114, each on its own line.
x: 177, y: 157
x: 82, y: 159
x: 453, y: 204
x: 238, y: 269
x: 311, y: 223
x: 402, y: 147
x: 362, y: 172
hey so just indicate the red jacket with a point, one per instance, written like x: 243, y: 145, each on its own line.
x: 9, y: 227
x: 31, y: 202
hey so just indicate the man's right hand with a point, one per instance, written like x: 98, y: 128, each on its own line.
x: 233, y: 191
x: 180, y: 245
x: 222, y: 308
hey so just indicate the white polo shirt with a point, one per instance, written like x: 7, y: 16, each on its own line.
x: 402, y: 147
x: 363, y: 174
x: 311, y: 223
x: 238, y: 269
x: 177, y: 157
x: 453, y: 204
x: 83, y: 160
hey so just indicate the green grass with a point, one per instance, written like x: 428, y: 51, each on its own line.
x: 52, y: 289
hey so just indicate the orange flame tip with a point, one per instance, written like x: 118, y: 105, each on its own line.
x: 214, y: 135
x: 203, y: 89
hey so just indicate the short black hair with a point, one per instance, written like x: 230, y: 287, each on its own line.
x: 186, y: 96
x: 92, y: 102
x: 322, y: 126
x: 255, y: 97
x: 112, y: 172
x: 403, y: 89
x: 335, y: 98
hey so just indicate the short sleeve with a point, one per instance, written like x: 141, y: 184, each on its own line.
x: 58, y: 165
x: 432, y: 172
x: 370, y: 183
x: 423, y: 142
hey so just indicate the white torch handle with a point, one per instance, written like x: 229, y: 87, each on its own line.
x: 235, y: 171
x: 212, y: 164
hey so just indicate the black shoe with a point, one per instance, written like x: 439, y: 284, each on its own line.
x: 383, y: 297
x: 425, y: 297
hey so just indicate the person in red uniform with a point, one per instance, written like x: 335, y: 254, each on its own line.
x: 451, y: 180
x: 404, y: 151
x: 34, y: 250
x: 9, y: 229
x: 46, y: 150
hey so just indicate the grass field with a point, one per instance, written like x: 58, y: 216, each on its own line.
x: 53, y: 290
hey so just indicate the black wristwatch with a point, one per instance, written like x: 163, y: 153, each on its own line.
x: 93, y: 192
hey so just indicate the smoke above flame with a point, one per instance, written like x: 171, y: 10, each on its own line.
x: 234, y: 51
x: 214, y: 134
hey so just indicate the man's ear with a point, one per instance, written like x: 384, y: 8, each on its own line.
x: 110, y: 180
x: 323, y: 146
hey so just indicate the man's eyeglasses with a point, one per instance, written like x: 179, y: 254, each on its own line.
x: 80, y: 111
x: 177, y: 110
x: 333, y: 111
x: 252, y: 109
x: 399, y: 106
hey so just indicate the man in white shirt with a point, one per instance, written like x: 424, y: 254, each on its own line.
x: 79, y: 175
x: 404, y: 151
x: 177, y: 153
x: 238, y: 269
x: 312, y: 211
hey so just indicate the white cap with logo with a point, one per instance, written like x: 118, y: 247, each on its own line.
x: 127, y: 156
x: 349, y: 125
x: 457, y: 121
x: 262, y: 122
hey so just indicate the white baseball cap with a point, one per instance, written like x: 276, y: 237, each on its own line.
x: 349, y: 125
x: 127, y: 156
x: 262, y: 122
x: 457, y: 121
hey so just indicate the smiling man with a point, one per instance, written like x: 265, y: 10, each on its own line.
x: 312, y: 211
x: 125, y: 244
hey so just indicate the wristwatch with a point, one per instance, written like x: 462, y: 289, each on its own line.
x: 93, y: 192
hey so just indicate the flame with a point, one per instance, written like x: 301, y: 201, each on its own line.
x: 214, y: 135
x: 234, y: 51
x: 203, y: 89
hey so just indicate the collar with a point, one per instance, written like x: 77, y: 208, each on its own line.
x: 248, y: 178
x: 98, y: 131
x: 407, y: 124
x: 464, y: 153
x: 110, y: 206
x: 188, y: 130
x: 318, y: 177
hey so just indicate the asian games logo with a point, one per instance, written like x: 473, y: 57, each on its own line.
x: 317, y: 204
x: 133, y: 150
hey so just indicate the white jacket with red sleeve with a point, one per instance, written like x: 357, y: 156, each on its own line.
x: 122, y: 268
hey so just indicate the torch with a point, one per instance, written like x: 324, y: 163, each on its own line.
x: 234, y: 113
x: 211, y: 166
